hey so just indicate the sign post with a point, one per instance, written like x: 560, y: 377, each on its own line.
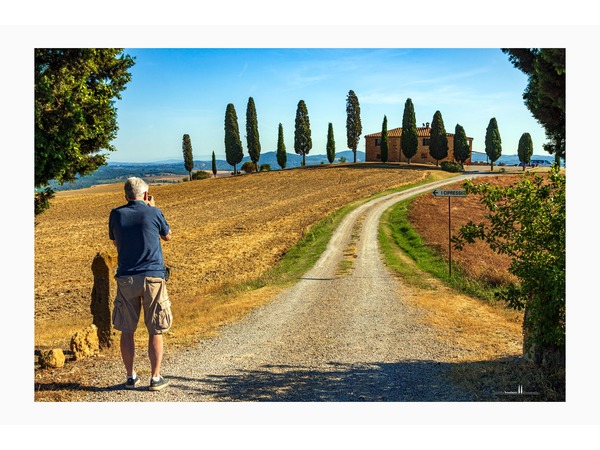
x: 449, y: 193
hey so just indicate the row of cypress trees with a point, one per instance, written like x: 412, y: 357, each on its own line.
x: 302, y: 133
x: 438, y: 143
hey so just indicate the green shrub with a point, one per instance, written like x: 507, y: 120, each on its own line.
x: 248, y: 167
x: 265, y: 167
x: 200, y: 175
x: 451, y: 166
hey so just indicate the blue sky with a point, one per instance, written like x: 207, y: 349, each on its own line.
x: 186, y: 90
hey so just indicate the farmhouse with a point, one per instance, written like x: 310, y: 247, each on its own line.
x: 373, y: 148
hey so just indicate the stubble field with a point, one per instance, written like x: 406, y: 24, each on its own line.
x: 225, y: 230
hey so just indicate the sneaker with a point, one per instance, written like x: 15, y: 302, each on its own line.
x: 132, y: 382
x: 158, y: 385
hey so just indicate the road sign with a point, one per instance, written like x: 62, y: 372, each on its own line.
x: 449, y: 193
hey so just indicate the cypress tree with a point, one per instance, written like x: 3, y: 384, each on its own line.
x: 252, y: 137
x: 384, y: 140
x: 525, y: 149
x: 438, y: 142
x: 353, y: 124
x: 214, y: 164
x: 409, y: 141
x: 188, y: 158
x: 462, y: 151
x: 281, y: 154
x: 493, y: 142
x: 302, y: 137
x: 330, y: 144
x: 233, y: 145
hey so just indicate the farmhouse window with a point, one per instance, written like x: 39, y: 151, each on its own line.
x: 423, y: 155
x: 426, y: 141
x: 377, y: 142
x: 378, y: 156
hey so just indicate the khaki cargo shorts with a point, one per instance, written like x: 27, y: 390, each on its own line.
x: 135, y: 292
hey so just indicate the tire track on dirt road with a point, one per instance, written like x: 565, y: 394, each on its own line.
x: 328, y: 338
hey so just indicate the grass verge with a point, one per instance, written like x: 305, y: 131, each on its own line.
x: 396, y: 225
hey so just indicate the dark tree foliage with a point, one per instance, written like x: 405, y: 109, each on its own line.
x: 462, y: 151
x: 252, y: 137
x: 330, y: 144
x: 281, y: 153
x: 409, y: 141
x: 525, y: 149
x: 233, y: 145
x: 42, y: 200
x: 493, y: 142
x: 188, y: 157
x: 75, y: 113
x: 438, y: 142
x: 384, y: 140
x: 302, y: 136
x: 544, y: 95
x: 353, y: 124
x: 214, y: 164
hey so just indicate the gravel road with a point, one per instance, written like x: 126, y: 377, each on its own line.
x: 331, y: 337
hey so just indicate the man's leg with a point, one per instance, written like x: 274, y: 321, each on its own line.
x: 155, y: 352
x: 128, y: 351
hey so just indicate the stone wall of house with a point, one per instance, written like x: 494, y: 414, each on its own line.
x: 373, y: 151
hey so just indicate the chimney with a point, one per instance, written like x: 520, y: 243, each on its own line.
x: 427, y: 125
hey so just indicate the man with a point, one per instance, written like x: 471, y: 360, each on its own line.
x: 135, y: 228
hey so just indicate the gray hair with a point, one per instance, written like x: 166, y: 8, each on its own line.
x: 135, y: 188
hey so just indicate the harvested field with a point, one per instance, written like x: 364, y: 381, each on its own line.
x: 225, y: 230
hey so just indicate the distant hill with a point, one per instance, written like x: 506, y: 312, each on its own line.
x: 511, y: 160
x: 293, y: 160
x: 116, y: 172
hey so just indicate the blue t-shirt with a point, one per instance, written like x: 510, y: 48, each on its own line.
x: 136, y: 228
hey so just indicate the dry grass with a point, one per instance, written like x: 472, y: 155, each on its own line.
x: 429, y: 216
x: 225, y: 231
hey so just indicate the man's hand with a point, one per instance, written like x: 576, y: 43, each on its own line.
x: 150, y: 201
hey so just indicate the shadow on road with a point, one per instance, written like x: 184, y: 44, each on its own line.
x: 380, y: 382
x: 505, y: 379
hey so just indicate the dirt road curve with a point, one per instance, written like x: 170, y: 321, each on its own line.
x: 331, y: 337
